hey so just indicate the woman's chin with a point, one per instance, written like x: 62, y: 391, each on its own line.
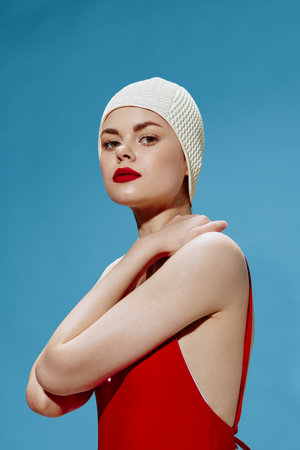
x: 134, y: 200
x: 130, y: 200
x: 139, y: 202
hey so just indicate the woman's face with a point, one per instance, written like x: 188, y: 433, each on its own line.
x: 153, y: 150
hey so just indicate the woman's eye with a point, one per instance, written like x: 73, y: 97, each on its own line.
x: 150, y: 138
x: 106, y: 144
x: 113, y: 144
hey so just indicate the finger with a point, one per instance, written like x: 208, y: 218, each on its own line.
x: 217, y: 225
x: 201, y: 218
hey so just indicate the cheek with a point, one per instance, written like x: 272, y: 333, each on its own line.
x: 105, y: 166
x: 165, y: 168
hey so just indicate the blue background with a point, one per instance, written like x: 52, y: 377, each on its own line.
x: 61, y: 63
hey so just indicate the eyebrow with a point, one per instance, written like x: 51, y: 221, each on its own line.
x: 137, y: 127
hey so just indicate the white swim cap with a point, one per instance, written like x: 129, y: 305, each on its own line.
x: 177, y: 107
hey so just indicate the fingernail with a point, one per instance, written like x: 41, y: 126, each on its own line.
x: 223, y: 223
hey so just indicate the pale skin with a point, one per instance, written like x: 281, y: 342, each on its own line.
x: 182, y: 275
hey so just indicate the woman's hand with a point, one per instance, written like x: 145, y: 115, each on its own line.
x: 182, y: 229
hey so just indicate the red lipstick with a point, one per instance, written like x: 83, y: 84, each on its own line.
x: 124, y: 174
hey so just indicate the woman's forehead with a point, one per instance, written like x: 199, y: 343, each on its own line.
x: 133, y: 113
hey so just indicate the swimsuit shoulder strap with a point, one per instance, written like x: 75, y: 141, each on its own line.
x: 247, y: 344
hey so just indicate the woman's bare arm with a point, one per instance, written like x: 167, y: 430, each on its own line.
x: 53, y: 405
x: 115, y: 285
x: 182, y: 291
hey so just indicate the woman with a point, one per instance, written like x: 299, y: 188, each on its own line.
x: 164, y: 336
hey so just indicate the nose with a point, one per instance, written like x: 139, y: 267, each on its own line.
x: 124, y: 152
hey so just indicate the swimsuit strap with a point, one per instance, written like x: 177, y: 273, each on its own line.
x: 247, y: 346
x: 241, y: 444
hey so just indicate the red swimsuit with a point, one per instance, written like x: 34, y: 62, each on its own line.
x: 155, y: 404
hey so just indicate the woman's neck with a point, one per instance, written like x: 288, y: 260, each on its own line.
x: 149, y: 221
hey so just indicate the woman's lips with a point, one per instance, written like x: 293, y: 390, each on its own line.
x: 124, y: 174
x: 125, y: 177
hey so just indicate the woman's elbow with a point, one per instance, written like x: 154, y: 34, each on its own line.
x: 35, y: 402
x: 42, y: 405
x: 46, y: 373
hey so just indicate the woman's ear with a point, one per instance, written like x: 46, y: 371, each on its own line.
x: 186, y: 168
x: 185, y: 164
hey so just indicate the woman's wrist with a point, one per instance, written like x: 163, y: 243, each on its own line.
x: 144, y: 252
x: 148, y: 249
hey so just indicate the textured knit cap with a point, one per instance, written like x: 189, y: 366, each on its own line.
x: 177, y: 107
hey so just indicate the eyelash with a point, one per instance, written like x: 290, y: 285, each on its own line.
x: 105, y: 145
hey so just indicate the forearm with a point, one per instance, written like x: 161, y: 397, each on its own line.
x: 108, y: 291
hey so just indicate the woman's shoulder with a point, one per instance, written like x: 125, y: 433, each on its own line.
x: 216, y: 261
x: 217, y: 249
x: 219, y: 239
